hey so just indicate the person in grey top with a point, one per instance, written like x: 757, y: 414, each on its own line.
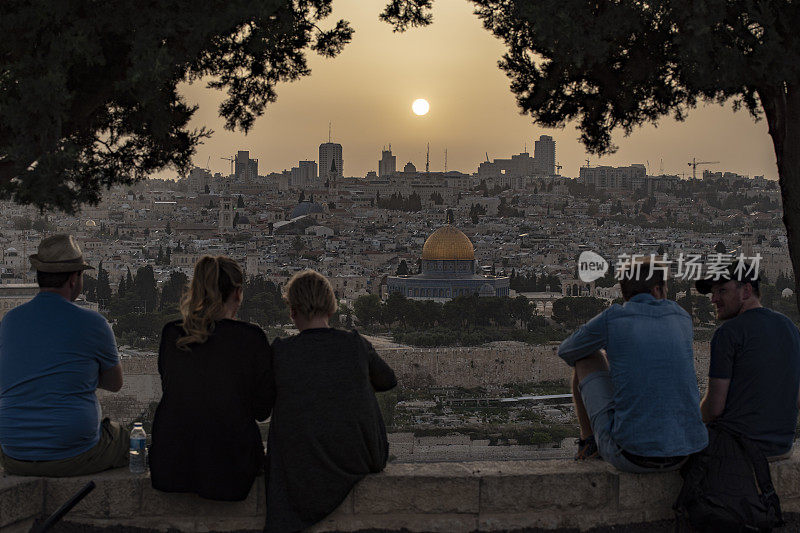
x: 326, y: 431
x: 754, y: 371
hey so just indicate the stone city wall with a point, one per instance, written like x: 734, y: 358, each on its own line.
x: 496, y: 364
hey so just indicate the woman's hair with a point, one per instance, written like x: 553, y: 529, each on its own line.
x: 310, y: 294
x: 215, y: 279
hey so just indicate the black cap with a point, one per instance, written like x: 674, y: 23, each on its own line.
x: 738, y: 271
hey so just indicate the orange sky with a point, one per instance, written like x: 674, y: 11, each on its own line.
x: 366, y: 93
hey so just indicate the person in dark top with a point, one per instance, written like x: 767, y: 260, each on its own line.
x: 215, y: 382
x: 326, y: 431
x: 754, y: 373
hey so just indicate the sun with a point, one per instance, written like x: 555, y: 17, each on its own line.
x: 420, y: 107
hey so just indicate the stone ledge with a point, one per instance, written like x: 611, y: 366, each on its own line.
x: 482, y: 496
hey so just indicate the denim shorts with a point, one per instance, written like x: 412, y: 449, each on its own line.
x: 597, y: 392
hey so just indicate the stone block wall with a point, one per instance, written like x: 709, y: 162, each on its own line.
x: 496, y: 364
x: 445, y: 497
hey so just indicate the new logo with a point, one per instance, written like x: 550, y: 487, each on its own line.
x: 591, y: 266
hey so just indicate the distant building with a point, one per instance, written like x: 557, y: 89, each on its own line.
x: 246, y: 169
x: 387, y: 164
x: 727, y: 177
x: 448, y: 270
x: 227, y: 208
x: 307, y: 208
x: 305, y: 174
x: 615, y: 178
x: 199, y: 180
x: 504, y: 171
x: 519, y: 165
x: 331, y: 164
x: 12, y: 295
x: 544, y: 152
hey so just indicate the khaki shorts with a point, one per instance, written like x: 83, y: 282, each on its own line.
x: 111, y: 451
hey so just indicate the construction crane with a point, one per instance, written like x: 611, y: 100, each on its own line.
x: 694, y: 164
x: 232, y: 160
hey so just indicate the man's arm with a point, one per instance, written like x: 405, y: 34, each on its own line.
x: 111, y: 379
x: 585, y: 341
x: 713, y: 403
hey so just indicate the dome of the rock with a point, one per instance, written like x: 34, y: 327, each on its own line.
x: 448, y: 243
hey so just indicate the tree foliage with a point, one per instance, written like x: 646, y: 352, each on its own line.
x: 577, y: 310
x: 88, y: 90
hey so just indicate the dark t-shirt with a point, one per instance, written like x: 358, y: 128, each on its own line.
x: 205, y: 436
x: 326, y: 431
x: 759, y: 351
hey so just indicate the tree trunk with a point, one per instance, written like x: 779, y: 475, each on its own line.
x: 782, y: 108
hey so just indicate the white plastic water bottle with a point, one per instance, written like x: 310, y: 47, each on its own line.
x: 138, y: 452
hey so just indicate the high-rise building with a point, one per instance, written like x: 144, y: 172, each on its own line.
x: 245, y: 169
x: 544, y: 152
x: 331, y: 164
x: 387, y: 164
x: 199, y: 180
x: 305, y: 174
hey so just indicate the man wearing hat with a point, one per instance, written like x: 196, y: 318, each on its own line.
x: 53, y: 356
x: 754, y: 372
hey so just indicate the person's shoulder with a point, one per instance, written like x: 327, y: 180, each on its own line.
x: 88, y: 315
x: 781, y: 318
x: 729, y: 329
x: 174, y: 326
x: 17, y: 312
x: 247, y: 329
x: 358, y: 338
x: 675, y: 307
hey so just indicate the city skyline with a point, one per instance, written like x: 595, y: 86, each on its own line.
x: 366, y: 96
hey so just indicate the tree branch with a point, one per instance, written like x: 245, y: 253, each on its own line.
x: 6, y: 172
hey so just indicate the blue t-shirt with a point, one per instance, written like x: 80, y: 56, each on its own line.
x: 651, y: 360
x: 759, y: 351
x: 51, y: 355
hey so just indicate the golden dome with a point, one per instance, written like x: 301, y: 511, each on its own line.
x: 450, y: 243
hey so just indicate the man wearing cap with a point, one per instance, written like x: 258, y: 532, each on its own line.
x: 754, y: 372
x: 53, y: 356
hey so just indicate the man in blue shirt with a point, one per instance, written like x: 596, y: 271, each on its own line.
x: 53, y: 356
x: 754, y: 372
x: 634, y: 384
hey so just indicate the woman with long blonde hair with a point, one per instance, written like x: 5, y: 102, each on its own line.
x: 215, y: 378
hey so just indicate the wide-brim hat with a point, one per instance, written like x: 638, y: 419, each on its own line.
x: 738, y: 271
x: 59, y: 253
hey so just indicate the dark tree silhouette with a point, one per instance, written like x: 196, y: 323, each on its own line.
x: 88, y: 90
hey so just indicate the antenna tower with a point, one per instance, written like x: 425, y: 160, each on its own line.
x: 445, y: 159
x: 428, y: 159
